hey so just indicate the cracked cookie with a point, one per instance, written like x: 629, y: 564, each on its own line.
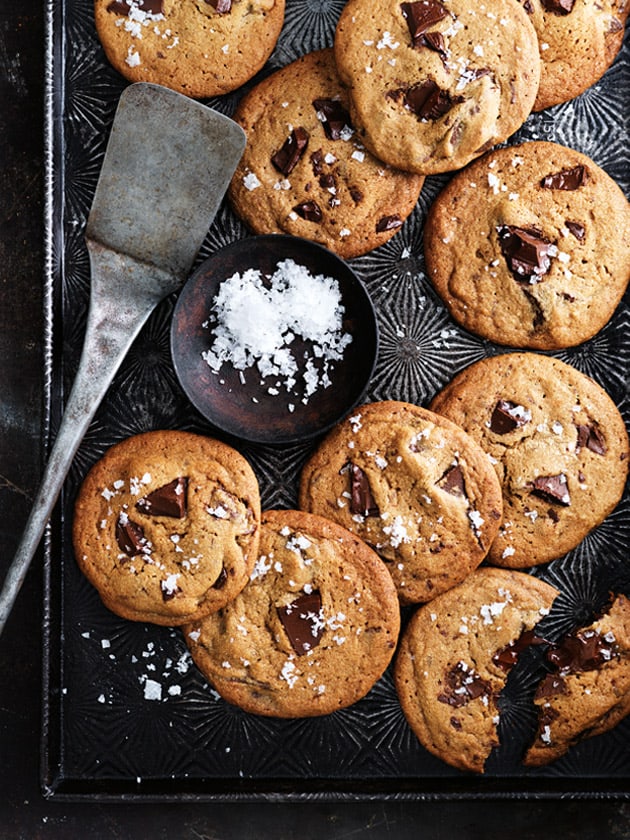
x: 587, y: 690
x: 313, y: 630
x: 454, y: 658
x: 305, y: 170
x: 166, y: 526
x: 434, y: 84
x: 579, y: 40
x: 528, y: 246
x: 558, y: 443
x: 200, y: 48
x: 414, y: 486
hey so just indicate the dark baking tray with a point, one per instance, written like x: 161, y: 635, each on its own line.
x: 101, y: 738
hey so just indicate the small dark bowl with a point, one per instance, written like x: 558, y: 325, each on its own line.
x: 247, y: 410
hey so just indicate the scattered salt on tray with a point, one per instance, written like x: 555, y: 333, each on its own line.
x: 256, y: 319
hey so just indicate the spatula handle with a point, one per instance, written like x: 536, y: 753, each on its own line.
x: 109, y: 334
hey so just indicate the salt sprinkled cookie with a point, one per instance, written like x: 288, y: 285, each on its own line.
x: 528, y: 246
x: 414, y: 486
x: 579, y: 40
x: 587, y: 691
x: 558, y: 443
x: 313, y: 630
x: 454, y: 658
x: 434, y: 84
x: 200, y: 48
x: 166, y: 526
x: 305, y: 170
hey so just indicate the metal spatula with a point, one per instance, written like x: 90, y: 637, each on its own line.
x: 167, y: 166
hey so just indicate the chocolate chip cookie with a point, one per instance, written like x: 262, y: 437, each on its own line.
x: 587, y: 690
x: 558, y: 443
x: 434, y: 84
x: 578, y: 43
x: 528, y: 246
x: 313, y: 630
x: 414, y: 486
x: 454, y: 658
x: 305, y: 170
x: 200, y: 48
x: 166, y: 526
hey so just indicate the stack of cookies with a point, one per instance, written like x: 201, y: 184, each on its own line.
x: 442, y: 511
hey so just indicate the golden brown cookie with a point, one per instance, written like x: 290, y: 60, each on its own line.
x: 558, y: 443
x: 414, y: 486
x: 528, y: 246
x: 579, y: 40
x: 434, y: 84
x: 313, y: 630
x: 305, y: 170
x: 454, y: 658
x: 587, y: 691
x: 200, y: 48
x: 166, y: 526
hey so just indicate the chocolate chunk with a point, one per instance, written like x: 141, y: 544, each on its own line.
x: 362, y: 501
x: 327, y: 181
x: 453, y: 481
x: 221, y: 580
x: 386, y: 223
x: 434, y: 41
x: 567, y: 179
x: 287, y: 157
x: 461, y: 685
x: 357, y: 195
x: 221, y: 6
x: 427, y: 100
x: 302, y: 622
x: 526, y: 252
x: 552, y: 488
x: 130, y: 537
x: 317, y: 162
x: 591, y: 438
x: 334, y: 118
x: 507, y: 656
x: 578, y: 230
x: 508, y: 416
x: 559, y: 7
x: 168, y: 500
x: 152, y: 7
x: 551, y: 685
x: 528, y: 7
x: 582, y: 650
x: 421, y: 15
x: 309, y: 210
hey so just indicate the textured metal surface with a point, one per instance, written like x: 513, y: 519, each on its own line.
x: 104, y: 739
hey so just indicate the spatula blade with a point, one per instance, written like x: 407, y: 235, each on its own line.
x: 168, y: 164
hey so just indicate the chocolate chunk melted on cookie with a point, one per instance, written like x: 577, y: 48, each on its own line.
x: 591, y: 438
x: 130, y: 536
x: 507, y: 656
x: 453, y: 481
x: 461, y: 685
x: 362, y: 501
x: 526, y: 252
x: 581, y: 650
x: 223, y: 7
x: 420, y: 16
x: 286, y: 158
x: 124, y: 7
x: 309, y: 210
x: 388, y: 223
x: 567, y: 179
x: 302, y: 622
x: 559, y: 7
x: 578, y: 230
x: 426, y: 100
x: 334, y: 118
x: 507, y: 416
x: 552, y: 488
x: 168, y: 500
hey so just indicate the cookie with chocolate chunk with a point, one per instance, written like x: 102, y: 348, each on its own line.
x: 558, y: 443
x: 200, y: 48
x: 587, y: 690
x: 454, y: 658
x: 313, y: 630
x: 166, y: 526
x: 578, y: 43
x: 305, y: 170
x: 414, y: 486
x: 528, y: 246
x: 434, y: 84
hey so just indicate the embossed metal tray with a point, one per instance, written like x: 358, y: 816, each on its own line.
x: 126, y: 714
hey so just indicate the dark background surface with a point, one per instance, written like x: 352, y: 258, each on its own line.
x: 24, y: 813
